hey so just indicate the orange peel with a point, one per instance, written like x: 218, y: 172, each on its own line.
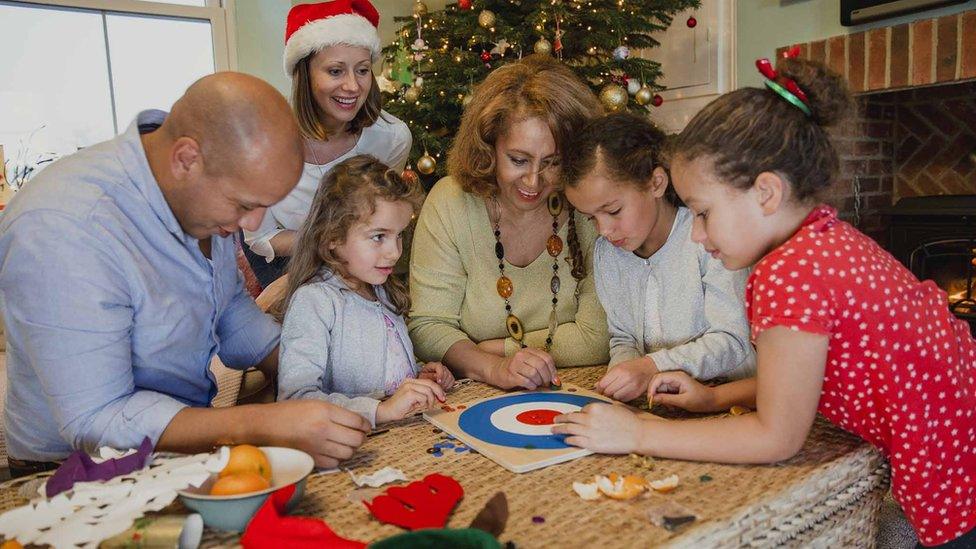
x: 665, y: 485
x: 617, y: 486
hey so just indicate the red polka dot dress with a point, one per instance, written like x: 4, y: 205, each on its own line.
x: 900, y: 368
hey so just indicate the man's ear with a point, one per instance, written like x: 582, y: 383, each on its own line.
x: 659, y: 182
x: 185, y: 158
x: 770, y: 191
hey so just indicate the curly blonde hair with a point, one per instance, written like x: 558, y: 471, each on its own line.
x: 346, y: 196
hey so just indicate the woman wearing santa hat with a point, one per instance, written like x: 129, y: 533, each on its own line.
x: 330, y: 48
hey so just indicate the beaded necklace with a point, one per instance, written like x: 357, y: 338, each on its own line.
x: 505, y: 288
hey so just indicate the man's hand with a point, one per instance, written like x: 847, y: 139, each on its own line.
x: 329, y: 433
x: 627, y: 380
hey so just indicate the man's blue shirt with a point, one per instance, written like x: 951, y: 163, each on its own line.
x: 112, y: 312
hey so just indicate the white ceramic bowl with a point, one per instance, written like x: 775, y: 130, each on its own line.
x: 232, y: 513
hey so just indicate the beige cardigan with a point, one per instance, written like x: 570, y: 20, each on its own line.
x: 453, y: 271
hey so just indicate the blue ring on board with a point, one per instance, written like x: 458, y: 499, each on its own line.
x: 476, y: 420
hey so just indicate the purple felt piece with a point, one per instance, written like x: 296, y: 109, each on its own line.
x: 79, y: 467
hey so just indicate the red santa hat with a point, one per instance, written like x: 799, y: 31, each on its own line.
x: 314, y: 27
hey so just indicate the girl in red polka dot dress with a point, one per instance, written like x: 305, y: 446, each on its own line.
x: 839, y: 325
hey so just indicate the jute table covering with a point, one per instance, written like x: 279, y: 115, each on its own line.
x: 829, y: 495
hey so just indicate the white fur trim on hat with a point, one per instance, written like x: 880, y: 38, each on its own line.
x: 349, y: 29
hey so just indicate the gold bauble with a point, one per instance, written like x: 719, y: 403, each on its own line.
x: 412, y: 94
x: 426, y: 164
x: 419, y: 9
x: 644, y: 95
x: 486, y: 19
x: 613, y: 97
x: 542, y: 46
x: 465, y: 100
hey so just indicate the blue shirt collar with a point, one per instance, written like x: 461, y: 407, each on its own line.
x: 136, y: 165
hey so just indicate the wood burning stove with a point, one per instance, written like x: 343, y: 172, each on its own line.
x: 935, y: 237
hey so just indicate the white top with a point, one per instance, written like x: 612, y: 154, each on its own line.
x: 388, y: 139
x: 679, y: 306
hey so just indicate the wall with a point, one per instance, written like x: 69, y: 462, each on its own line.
x: 261, y: 33
x: 764, y: 25
x: 260, y: 40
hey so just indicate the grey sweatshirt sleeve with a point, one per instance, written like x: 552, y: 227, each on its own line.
x: 724, y: 348
x: 304, y: 361
x: 623, y: 345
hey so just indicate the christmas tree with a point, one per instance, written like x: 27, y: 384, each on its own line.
x: 439, y: 56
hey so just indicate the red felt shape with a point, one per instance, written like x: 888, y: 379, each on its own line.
x: 270, y: 527
x: 420, y: 504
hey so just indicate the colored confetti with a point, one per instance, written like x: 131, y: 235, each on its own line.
x: 538, y: 520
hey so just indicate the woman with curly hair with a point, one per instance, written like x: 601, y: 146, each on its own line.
x: 496, y: 294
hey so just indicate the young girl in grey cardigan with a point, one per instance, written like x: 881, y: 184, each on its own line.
x: 670, y: 304
x: 343, y: 337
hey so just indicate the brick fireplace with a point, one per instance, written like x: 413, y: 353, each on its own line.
x: 914, y: 133
x: 913, y: 137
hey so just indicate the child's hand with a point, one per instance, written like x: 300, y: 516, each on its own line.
x: 604, y: 428
x: 677, y: 388
x: 438, y: 373
x: 627, y: 380
x: 412, y: 396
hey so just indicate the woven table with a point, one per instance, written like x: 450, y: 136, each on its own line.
x: 829, y: 495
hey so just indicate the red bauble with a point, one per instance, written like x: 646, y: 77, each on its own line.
x: 464, y: 4
x: 410, y: 176
x: 692, y: 22
x: 485, y: 56
x: 657, y: 101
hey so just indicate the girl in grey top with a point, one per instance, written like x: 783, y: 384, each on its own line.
x: 343, y: 337
x: 670, y: 304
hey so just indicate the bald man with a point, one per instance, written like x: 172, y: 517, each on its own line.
x: 119, y: 283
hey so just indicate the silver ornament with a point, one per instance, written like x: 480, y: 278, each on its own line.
x: 633, y: 86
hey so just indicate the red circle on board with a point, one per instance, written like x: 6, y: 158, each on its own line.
x: 537, y: 417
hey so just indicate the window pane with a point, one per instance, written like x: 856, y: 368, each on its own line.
x: 55, y: 77
x: 201, y: 3
x: 154, y: 59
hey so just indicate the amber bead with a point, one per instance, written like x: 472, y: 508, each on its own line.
x: 554, y: 245
x: 504, y: 287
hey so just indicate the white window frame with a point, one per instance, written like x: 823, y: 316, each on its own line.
x: 220, y: 14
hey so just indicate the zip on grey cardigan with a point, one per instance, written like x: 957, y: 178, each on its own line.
x: 699, y: 306
x: 333, y: 346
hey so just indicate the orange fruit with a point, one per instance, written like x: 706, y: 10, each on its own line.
x: 11, y: 544
x: 245, y: 458
x: 239, y: 483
